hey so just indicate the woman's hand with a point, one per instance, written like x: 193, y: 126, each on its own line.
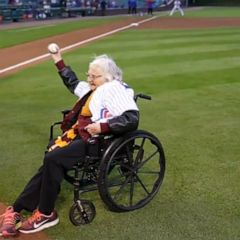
x: 93, y: 128
x: 56, y: 57
x: 54, y: 50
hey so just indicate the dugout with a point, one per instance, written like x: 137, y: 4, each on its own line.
x: 77, y: 11
x: 12, y: 13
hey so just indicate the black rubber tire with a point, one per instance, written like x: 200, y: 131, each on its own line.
x: 131, y: 175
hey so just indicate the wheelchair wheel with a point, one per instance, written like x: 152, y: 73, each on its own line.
x: 131, y: 171
x: 82, y: 212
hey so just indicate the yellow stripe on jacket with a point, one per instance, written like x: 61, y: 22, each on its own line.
x: 71, y: 134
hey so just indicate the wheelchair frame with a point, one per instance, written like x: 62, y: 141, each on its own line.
x: 117, y: 168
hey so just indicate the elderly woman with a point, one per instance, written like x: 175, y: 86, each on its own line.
x: 105, y: 105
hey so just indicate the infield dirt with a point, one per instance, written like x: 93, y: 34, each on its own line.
x: 34, y: 49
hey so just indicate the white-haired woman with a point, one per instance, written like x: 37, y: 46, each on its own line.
x: 105, y: 105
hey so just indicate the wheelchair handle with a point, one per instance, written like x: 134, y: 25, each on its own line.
x: 140, y: 95
x: 65, y: 112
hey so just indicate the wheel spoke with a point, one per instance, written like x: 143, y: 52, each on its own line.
x: 143, y: 186
x: 139, y: 154
x: 120, y: 190
x: 131, y: 191
x: 127, y: 167
x: 149, y: 172
x: 147, y: 159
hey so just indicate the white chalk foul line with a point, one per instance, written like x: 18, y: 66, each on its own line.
x: 73, y: 46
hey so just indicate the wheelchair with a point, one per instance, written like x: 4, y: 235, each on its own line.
x: 126, y: 170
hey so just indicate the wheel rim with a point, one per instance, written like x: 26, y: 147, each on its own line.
x: 134, y: 172
x: 77, y: 217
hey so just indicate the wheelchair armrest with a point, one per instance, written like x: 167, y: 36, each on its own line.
x: 96, y: 138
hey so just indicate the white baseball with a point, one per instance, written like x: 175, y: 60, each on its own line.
x: 53, y: 48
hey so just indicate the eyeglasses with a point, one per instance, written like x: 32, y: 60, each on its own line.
x: 93, y: 77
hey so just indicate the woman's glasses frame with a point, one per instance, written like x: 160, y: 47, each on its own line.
x: 93, y: 77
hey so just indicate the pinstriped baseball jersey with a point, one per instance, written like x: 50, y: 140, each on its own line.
x: 109, y: 100
x: 82, y: 89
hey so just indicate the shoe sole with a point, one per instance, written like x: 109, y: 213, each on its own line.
x: 6, y: 234
x: 44, y: 226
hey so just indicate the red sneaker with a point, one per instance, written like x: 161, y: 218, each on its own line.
x: 10, y: 222
x: 38, y: 222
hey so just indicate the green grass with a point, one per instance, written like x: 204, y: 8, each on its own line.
x: 215, y: 12
x: 193, y: 77
x: 11, y: 37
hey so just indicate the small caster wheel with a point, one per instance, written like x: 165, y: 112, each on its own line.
x: 82, y: 212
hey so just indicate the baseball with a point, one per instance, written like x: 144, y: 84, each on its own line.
x: 53, y: 48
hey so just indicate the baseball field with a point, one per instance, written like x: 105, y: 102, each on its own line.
x: 189, y: 65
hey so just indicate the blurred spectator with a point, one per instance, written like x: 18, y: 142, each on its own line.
x: 129, y: 7
x: 68, y: 4
x: 62, y: 3
x: 113, y: 4
x: 18, y: 2
x: 150, y: 6
x: 54, y: 3
x: 95, y: 4
x: 73, y: 4
x: 103, y: 7
x: 11, y: 2
x: 132, y: 6
x: 88, y: 4
x: 47, y: 9
x: 78, y: 3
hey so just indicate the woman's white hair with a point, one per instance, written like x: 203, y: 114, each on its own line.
x: 109, y: 67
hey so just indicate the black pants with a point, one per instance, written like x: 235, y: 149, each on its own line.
x: 150, y: 11
x: 42, y: 190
